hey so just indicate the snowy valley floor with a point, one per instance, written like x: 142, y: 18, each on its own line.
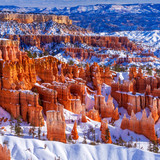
x: 24, y: 149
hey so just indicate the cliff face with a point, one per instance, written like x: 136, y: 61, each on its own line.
x: 55, y: 126
x: 9, y: 50
x: 4, y: 153
x: 144, y: 126
x: 24, y: 103
x: 17, y: 75
x: 107, y: 109
x: 29, y: 18
x: 116, y: 43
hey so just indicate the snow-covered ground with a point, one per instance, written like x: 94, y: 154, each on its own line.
x: 68, y: 3
x: 28, y: 147
x: 24, y: 149
x: 148, y: 39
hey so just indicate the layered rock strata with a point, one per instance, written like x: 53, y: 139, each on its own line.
x: 30, y: 18
x: 144, y: 126
x: 55, y: 126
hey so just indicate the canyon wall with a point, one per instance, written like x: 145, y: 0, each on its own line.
x: 144, y: 126
x: 30, y: 18
x: 116, y: 43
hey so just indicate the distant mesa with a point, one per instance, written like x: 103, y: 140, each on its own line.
x: 30, y: 18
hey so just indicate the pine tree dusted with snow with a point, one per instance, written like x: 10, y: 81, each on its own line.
x: 18, y: 129
x: 74, y: 132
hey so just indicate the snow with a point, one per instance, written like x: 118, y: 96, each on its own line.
x: 122, y: 76
x: 23, y: 149
x: 64, y: 3
x: 89, y: 100
x: 148, y: 39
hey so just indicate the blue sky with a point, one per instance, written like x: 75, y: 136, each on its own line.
x: 69, y: 3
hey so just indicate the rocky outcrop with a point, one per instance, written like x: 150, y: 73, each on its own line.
x: 17, y: 75
x: 31, y: 111
x: 121, y: 60
x: 9, y: 50
x: 138, y: 93
x: 144, y: 126
x: 111, y: 42
x: 141, y: 81
x: 105, y: 134
x: 24, y: 103
x: 30, y: 18
x: 107, y: 109
x: 74, y: 131
x: 83, y: 118
x: 94, y: 115
x: 55, y: 126
x: 47, y: 69
x: 96, y: 75
x: 137, y: 102
x: 48, y: 97
x: 4, y: 153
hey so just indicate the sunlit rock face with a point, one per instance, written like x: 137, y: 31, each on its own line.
x: 18, y: 76
x: 29, y: 18
x: 74, y: 131
x: 4, y: 153
x: 107, y: 109
x: 55, y: 126
x: 144, y: 126
x: 106, y: 137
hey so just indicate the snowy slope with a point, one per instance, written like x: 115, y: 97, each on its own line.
x: 24, y: 149
x: 68, y: 3
x: 148, y: 39
x: 100, y: 17
x: 44, y: 28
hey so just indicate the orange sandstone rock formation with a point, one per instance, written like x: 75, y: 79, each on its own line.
x: 94, y: 115
x: 17, y: 74
x: 144, y: 126
x: 24, y: 103
x: 4, y: 153
x: 105, y: 134
x: 29, y: 18
x: 55, y: 126
x: 106, y: 109
x: 74, y: 132
x: 83, y: 119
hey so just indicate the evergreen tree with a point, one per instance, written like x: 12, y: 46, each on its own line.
x: 18, y: 129
x: 30, y: 54
x: 34, y: 55
x: 155, y: 147
x: 107, y: 136
x: 11, y: 124
x: 39, y: 132
x: 84, y: 140
x: 46, y: 53
x: 150, y: 147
